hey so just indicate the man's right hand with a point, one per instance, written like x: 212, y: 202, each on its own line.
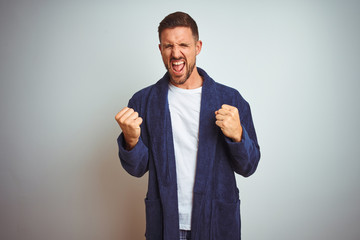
x: 129, y: 122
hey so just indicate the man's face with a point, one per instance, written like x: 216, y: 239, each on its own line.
x: 178, y: 50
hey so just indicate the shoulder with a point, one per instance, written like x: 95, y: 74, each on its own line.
x: 142, y: 93
x: 226, y: 89
x: 141, y: 98
x: 220, y: 88
x: 226, y: 94
x: 146, y: 91
x: 231, y: 96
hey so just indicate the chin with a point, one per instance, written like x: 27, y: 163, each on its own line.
x: 177, y: 81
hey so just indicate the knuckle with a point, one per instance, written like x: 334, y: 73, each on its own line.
x: 133, y: 125
x: 225, y: 123
x: 124, y: 122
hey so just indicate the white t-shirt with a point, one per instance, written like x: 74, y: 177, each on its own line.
x: 184, y: 106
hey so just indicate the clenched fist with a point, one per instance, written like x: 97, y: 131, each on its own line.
x: 228, y: 119
x: 129, y: 122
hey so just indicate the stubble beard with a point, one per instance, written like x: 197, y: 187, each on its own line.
x: 181, y: 81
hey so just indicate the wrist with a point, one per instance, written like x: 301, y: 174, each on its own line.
x: 238, y: 137
x: 130, y: 143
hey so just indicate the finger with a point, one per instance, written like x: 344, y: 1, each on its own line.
x: 118, y: 116
x: 219, y: 124
x: 138, y: 121
x: 126, y: 115
x: 229, y: 108
x: 224, y: 112
x: 220, y: 117
x: 133, y: 121
x: 133, y: 116
x: 226, y: 106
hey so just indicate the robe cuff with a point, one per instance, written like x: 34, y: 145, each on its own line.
x: 128, y: 154
x: 240, y: 149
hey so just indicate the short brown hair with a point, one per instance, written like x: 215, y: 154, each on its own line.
x: 179, y: 19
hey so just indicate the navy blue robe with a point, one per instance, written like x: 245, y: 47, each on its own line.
x: 216, y: 204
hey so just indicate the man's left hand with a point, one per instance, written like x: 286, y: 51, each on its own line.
x: 228, y: 119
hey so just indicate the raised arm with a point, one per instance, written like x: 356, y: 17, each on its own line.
x: 133, y: 152
x: 237, y: 126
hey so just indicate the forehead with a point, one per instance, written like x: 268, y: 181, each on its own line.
x: 177, y: 34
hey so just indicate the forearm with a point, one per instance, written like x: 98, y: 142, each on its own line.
x: 245, y: 155
x: 135, y: 160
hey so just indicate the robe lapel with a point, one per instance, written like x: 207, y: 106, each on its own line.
x: 208, y: 132
x: 159, y: 126
x: 162, y: 147
x: 208, y: 136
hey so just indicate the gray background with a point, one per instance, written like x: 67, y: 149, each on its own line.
x: 67, y: 67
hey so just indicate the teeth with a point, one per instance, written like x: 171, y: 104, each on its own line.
x: 178, y: 63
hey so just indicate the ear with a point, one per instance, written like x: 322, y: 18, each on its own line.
x: 198, y: 47
x: 160, y: 47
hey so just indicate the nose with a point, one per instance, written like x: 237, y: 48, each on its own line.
x: 175, y: 52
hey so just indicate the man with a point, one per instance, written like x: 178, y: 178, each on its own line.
x: 191, y: 134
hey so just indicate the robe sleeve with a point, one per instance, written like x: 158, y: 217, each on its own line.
x: 246, y: 153
x: 135, y: 161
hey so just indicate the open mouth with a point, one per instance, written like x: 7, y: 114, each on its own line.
x: 177, y: 65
